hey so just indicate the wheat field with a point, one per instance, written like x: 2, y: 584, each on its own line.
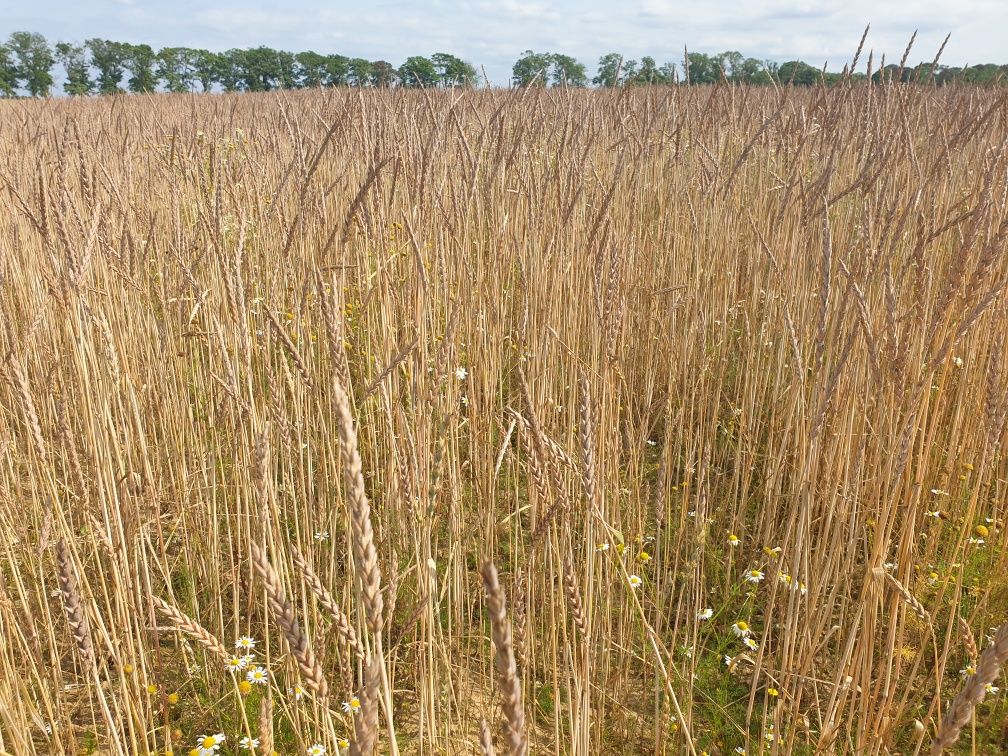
x: 661, y: 421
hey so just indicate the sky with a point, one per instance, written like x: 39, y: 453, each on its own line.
x: 493, y: 33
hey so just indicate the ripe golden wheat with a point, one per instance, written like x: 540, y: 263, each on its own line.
x: 570, y: 422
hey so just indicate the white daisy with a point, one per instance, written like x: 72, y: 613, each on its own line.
x: 210, y: 743
x: 706, y: 614
x: 461, y: 373
x: 257, y: 676
x: 741, y: 629
x: 245, y: 643
x: 635, y: 581
x: 754, y: 576
x: 352, y: 706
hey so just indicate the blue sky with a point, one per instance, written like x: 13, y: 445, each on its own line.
x: 493, y: 33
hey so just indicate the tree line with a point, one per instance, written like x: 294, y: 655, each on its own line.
x: 101, y: 66
x: 552, y: 69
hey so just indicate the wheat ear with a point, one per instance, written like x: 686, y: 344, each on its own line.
x: 283, y: 613
x: 366, y: 723
x: 72, y: 604
x: 973, y: 692
x: 969, y: 641
x: 191, y: 627
x: 266, y: 725
x: 486, y: 739
x: 911, y: 601
x: 365, y: 554
x: 504, y: 663
x: 328, y: 603
x: 574, y: 598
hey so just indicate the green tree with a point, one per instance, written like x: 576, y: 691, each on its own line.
x: 311, y: 69
x: 73, y: 58
x: 568, y: 72
x: 228, y: 71
x: 983, y: 73
x: 751, y: 71
x: 610, y: 70
x: 8, y: 72
x: 34, y: 61
x: 453, y: 71
x: 798, y: 73
x: 730, y: 62
x: 175, y: 68
x: 383, y: 74
x: 702, y: 69
x: 110, y: 59
x: 208, y: 67
x: 418, y: 71
x: 359, y: 72
x: 649, y: 74
x: 260, y: 69
x: 139, y: 62
x: 337, y: 70
x: 531, y: 69
x: 286, y: 67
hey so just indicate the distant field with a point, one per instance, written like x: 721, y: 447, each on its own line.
x: 694, y: 368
